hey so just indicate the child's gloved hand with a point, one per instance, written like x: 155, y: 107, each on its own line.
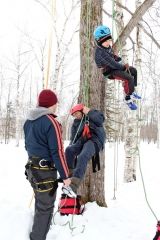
x: 126, y: 66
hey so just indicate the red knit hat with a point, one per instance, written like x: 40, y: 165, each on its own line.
x: 47, y: 98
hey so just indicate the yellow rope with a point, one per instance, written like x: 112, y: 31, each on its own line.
x: 31, y: 200
x: 53, y: 9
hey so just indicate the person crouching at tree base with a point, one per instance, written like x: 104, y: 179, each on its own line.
x: 87, y: 140
x: 112, y: 66
x: 43, y: 143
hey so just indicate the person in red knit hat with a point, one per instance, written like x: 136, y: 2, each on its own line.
x: 47, y: 98
x: 43, y: 143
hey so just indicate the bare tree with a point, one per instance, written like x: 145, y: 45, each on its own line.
x: 92, y: 91
x: 132, y: 121
x: 131, y: 118
x: 60, y: 45
x: 40, y: 56
x: 1, y: 92
x: 18, y: 67
x: 87, y: 85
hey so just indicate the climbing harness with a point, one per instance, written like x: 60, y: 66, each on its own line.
x: 86, y: 131
x: 33, y: 170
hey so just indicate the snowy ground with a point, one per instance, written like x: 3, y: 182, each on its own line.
x: 126, y: 218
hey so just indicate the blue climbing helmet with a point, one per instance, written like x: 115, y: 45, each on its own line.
x: 100, y: 32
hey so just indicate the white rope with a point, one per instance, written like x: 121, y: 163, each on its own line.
x: 78, y: 129
x: 144, y: 188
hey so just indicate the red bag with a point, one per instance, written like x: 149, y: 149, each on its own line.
x: 69, y: 205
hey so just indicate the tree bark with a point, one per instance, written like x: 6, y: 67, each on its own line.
x: 132, y: 123
x: 92, y: 91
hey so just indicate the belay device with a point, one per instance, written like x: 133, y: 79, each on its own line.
x: 68, y: 205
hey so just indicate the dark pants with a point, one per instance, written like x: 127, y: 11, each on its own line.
x: 79, y: 154
x: 129, y: 79
x: 44, y: 205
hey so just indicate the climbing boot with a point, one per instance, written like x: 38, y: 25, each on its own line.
x: 131, y: 104
x: 135, y: 96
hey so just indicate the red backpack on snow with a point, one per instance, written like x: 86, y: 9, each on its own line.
x: 68, y: 205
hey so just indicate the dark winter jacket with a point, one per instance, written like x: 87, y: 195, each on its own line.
x: 43, y: 138
x: 96, y: 120
x: 105, y: 58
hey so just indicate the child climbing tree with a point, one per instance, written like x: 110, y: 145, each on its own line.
x: 92, y: 86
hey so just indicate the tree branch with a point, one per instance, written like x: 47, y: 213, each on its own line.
x: 141, y: 10
x: 139, y: 25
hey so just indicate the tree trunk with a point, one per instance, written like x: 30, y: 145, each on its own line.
x: 92, y: 91
x: 1, y: 91
x: 129, y: 120
x: 132, y: 121
x: 113, y: 112
x: 17, y: 123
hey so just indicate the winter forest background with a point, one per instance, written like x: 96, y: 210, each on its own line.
x: 49, y: 44
x: 42, y: 37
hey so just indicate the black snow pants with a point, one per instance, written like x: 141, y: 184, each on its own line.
x: 129, y: 79
x: 81, y: 153
x: 44, y: 201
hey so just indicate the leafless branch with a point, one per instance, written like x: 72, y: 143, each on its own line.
x: 140, y: 25
x: 141, y: 10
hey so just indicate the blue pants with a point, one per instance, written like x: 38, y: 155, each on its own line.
x: 79, y: 154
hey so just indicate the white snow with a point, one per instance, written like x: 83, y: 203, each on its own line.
x: 127, y: 217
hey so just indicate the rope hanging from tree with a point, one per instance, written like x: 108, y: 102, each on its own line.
x: 116, y: 120
x: 53, y: 9
x: 85, y: 94
x: 136, y: 149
